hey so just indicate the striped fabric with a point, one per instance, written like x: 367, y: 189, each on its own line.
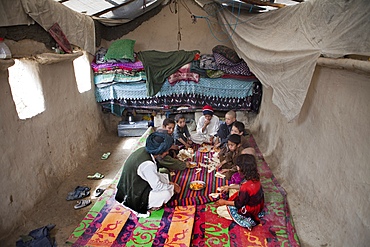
x: 192, y: 197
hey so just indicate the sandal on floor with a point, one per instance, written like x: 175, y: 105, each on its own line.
x: 82, y: 204
x: 105, y: 156
x: 98, y: 192
x: 79, y: 193
x: 82, y: 188
x: 96, y: 176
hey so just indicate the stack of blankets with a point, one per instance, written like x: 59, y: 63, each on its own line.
x: 122, y: 68
x: 107, y: 72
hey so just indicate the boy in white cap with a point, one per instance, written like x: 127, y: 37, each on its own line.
x: 207, y: 127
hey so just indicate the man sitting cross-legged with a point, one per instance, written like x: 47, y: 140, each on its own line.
x: 141, y: 187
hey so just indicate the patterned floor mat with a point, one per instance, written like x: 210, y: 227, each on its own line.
x: 197, y: 224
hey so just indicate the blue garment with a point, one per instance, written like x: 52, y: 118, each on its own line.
x: 181, y: 133
x: 224, y: 132
x: 38, y: 238
x: 158, y: 143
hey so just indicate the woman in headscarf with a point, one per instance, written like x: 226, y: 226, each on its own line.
x: 141, y: 187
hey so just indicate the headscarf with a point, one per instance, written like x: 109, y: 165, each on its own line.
x: 158, y: 143
x: 207, y: 110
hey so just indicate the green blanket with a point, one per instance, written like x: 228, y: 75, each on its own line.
x: 160, y: 65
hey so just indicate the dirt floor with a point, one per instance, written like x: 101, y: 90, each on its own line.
x: 55, y: 209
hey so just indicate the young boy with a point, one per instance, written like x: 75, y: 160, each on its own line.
x: 168, y: 126
x: 235, y: 148
x: 225, y: 129
x: 181, y: 133
x: 207, y: 126
x: 169, y: 162
x: 228, y: 165
x: 239, y: 128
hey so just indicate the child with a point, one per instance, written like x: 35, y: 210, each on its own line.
x: 168, y: 126
x: 228, y: 164
x: 225, y: 129
x: 207, y: 126
x: 244, y: 206
x: 228, y: 160
x: 170, y: 162
x: 181, y: 133
x: 239, y: 128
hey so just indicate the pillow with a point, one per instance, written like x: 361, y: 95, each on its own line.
x: 121, y: 49
x: 227, y: 52
x: 183, y: 74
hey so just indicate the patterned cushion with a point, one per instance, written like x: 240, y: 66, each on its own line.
x: 227, y: 52
x: 229, y: 67
x: 183, y: 74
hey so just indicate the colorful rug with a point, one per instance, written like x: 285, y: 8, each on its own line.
x: 115, y: 225
x: 197, y: 224
x: 196, y: 197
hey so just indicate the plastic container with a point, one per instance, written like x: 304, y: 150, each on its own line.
x: 132, y: 129
x: 4, y: 50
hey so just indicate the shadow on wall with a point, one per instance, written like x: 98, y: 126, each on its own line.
x: 272, y: 151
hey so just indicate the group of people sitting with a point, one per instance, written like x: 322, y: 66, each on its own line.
x: 145, y: 184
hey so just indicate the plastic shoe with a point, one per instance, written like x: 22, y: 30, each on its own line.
x: 82, y: 204
x: 105, y: 156
x: 96, y: 176
x: 79, y: 193
x: 98, y: 192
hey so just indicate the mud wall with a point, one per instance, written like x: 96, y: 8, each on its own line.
x: 39, y: 152
x: 322, y: 157
x: 174, y: 29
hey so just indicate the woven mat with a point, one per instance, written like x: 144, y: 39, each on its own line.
x: 110, y: 224
x: 196, y: 197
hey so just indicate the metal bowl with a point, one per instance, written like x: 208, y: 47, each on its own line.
x: 197, y: 185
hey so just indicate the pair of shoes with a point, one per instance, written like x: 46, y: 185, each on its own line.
x: 79, y: 193
x: 98, y: 192
x: 82, y: 204
x: 105, y: 156
x: 96, y: 176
